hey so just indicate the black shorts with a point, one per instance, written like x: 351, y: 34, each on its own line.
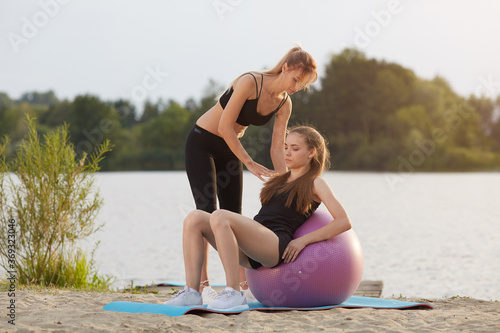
x: 284, y: 239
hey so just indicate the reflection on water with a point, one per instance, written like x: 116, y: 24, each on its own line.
x: 425, y: 235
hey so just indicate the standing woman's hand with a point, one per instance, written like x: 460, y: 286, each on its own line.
x: 259, y: 170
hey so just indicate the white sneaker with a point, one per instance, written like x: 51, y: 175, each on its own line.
x: 209, y: 295
x: 248, y: 294
x: 229, y: 300
x: 185, y: 297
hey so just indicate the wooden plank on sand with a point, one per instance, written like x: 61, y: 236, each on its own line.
x: 370, y: 289
x: 366, y: 288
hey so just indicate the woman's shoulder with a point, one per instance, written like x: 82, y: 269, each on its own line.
x: 286, y: 108
x: 320, y: 185
x: 249, y: 76
x: 319, y: 181
x: 245, y: 81
x: 288, y: 102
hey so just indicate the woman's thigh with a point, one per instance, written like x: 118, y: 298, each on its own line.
x: 229, y: 179
x: 200, y: 169
x: 254, y: 240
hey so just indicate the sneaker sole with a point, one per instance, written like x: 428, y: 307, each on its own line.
x: 234, y: 308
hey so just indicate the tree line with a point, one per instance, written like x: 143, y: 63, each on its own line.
x: 376, y: 115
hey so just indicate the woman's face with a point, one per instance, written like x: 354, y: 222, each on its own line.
x: 297, y: 153
x: 294, y: 80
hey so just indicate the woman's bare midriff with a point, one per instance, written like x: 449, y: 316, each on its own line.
x: 210, y: 122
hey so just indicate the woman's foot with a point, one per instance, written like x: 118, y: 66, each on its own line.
x: 209, y: 295
x: 186, y: 297
x: 229, y: 300
x: 248, y: 294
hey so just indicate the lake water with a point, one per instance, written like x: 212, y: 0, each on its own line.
x: 423, y: 234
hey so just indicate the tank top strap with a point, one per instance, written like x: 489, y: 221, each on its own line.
x: 282, y: 102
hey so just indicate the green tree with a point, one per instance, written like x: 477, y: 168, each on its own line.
x: 353, y: 107
x: 35, y: 97
x: 151, y: 111
x: 57, y: 114
x: 5, y: 101
x: 91, y: 123
x: 167, y: 130
x: 494, y: 132
x: 484, y: 107
x: 372, y: 112
x: 207, y: 101
x: 162, y: 138
x: 126, y: 113
x: 12, y: 123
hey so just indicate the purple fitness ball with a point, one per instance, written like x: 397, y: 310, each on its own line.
x: 324, y: 273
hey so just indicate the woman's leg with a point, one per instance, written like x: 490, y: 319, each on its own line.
x: 243, y: 278
x: 229, y: 179
x: 234, y: 232
x: 200, y: 169
x: 196, y: 231
x: 230, y: 191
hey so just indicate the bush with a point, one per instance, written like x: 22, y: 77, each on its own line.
x: 49, y: 192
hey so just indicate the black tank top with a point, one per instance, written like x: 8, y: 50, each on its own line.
x: 248, y: 114
x: 276, y: 216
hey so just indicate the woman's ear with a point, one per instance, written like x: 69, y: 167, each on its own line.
x: 314, y: 78
x: 284, y: 68
x: 312, y: 153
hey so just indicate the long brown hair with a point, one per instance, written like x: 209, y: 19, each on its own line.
x: 302, y: 187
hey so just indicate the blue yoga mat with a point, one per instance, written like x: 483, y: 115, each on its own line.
x: 174, y: 311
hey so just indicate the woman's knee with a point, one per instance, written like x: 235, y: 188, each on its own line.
x: 194, y: 219
x: 219, y: 218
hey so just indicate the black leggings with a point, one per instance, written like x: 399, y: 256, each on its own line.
x: 213, y: 172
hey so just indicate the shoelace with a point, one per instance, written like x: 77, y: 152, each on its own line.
x: 183, y: 291
x: 226, y: 294
x: 210, y: 292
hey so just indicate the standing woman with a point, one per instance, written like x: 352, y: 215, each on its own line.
x: 214, y: 153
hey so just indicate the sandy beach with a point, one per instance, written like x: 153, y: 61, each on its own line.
x: 52, y: 310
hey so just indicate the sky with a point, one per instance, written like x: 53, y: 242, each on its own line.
x: 153, y: 49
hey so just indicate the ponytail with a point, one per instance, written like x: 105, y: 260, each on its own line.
x: 297, y: 58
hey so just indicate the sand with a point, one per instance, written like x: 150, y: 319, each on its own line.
x: 53, y: 310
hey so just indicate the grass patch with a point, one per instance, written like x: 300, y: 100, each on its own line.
x: 139, y: 289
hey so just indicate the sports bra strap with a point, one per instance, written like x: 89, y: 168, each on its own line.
x: 261, y: 84
x: 256, y: 84
x: 281, y: 103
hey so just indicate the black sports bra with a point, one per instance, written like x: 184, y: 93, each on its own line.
x: 248, y: 114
